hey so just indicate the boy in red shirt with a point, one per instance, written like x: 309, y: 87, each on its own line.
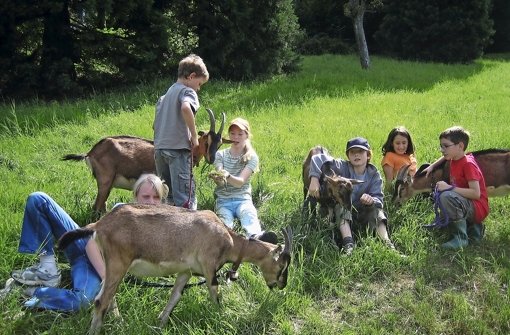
x: 465, y: 199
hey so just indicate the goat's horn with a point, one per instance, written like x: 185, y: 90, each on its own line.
x: 222, y: 123
x: 212, y: 120
x: 402, y: 172
x: 287, y: 234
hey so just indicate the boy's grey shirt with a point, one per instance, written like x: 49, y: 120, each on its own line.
x: 170, y: 129
x: 372, y: 178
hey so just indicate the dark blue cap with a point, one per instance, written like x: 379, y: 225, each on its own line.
x: 357, y: 142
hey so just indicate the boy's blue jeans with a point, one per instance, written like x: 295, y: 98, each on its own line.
x: 243, y: 209
x: 44, y: 223
x: 173, y: 166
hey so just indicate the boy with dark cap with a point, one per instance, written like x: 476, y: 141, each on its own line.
x: 367, y: 197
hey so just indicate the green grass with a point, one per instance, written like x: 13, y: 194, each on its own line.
x: 329, y: 101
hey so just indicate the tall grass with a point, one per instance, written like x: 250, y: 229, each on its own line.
x: 329, y: 101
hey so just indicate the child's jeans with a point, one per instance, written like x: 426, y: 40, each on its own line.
x: 45, y: 222
x: 243, y: 209
x: 456, y: 206
x: 362, y: 217
x: 173, y: 167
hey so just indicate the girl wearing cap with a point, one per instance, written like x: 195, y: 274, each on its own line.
x: 236, y: 165
x: 367, y: 197
x: 45, y: 222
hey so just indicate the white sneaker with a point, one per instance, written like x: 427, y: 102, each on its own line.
x: 34, y: 276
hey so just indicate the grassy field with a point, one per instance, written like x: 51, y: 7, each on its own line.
x: 329, y: 101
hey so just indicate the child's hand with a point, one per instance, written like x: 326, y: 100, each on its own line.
x: 366, y: 199
x: 219, y: 176
x: 442, y: 186
x: 313, y: 188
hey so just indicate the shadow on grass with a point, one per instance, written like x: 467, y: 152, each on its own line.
x: 320, y: 76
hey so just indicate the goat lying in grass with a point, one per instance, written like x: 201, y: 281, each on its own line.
x: 334, y: 189
x: 118, y: 161
x: 161, y: 240
x: 494, y: 164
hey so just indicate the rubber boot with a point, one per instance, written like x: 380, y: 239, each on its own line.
x: 476, y: 232
x: 460, y: 237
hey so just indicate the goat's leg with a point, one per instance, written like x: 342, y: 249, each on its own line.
x: 212, y: 284
x: 180, y: 282
x: 104, y: 186
x: 105, y: 298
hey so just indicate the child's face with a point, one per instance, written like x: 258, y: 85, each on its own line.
x: 237, y: 136
x: 400, y: 144
x: 451, y: 150
x: 195, y: 82
x: 358, y: 157
x: 147, y: 194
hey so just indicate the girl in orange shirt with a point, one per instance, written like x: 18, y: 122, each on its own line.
x: 398, y: 151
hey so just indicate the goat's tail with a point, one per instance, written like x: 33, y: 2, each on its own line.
x: 74, y: 157
x: 70, y: 236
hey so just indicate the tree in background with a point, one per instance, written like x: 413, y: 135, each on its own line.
x: 501, y: 16
x: 436, y: 30
x: 355, y: 9
x: 327, y: 29
x: 243, y: 39
x: 61, y: 48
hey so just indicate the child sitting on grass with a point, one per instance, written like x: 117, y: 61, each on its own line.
x: 367, y: 197
x: 398, y: 151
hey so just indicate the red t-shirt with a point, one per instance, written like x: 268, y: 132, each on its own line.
x: 464, y: 170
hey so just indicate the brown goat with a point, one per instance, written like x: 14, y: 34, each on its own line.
x: 162, y: 240
x: 494, y: 164
x: 334, y: 189
x: 118, y: 161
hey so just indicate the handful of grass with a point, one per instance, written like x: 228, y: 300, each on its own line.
x: 219, y: 175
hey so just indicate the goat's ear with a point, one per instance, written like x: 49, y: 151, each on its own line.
x: 276, y: 252
x: 226, y: 141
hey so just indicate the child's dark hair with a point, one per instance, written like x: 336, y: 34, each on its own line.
x: 456, y: 134
x: 402, y: 131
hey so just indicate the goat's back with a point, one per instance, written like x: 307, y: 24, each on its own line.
x: 157, y: 233
x: 495, y: 166
x: 128, y: 155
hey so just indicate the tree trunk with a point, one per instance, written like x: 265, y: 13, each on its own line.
x: 355, y: 9
x: 361, y: 40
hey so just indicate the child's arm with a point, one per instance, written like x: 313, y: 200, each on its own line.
x: 388, y: 174
x: 189, y: 119
x: 472, y: 192
x: 432, y: 166
x: 238, y: 181
x: 95, y: 257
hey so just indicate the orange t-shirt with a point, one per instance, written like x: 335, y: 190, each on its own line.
x: 396, y: 161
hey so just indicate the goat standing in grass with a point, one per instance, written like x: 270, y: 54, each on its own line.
x: 118, y: 161
x: 162, y: 240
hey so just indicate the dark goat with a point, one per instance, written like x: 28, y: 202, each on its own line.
x: 118, y: 161
x: 494, y: 164
x: 334, y: 189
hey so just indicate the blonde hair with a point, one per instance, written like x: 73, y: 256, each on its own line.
x: 190, y: 64
x: 157, y: 184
